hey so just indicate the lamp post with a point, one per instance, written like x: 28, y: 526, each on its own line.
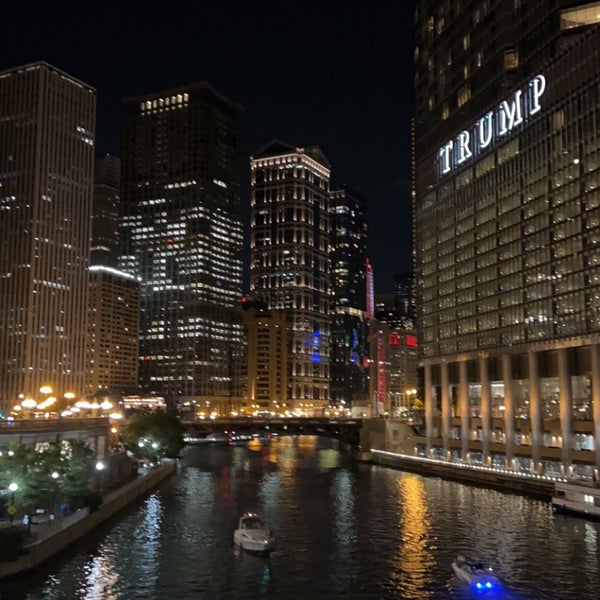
x: 13, y: 487
x: 28, y: 404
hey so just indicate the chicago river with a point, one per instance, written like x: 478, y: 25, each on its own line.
x: 344, y: 530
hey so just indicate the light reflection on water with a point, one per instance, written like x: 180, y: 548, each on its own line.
x: 344, y: 531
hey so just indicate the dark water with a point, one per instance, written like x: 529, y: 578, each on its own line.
x: 344, y: 531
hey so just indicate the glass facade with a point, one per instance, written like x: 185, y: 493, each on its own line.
x: 507, y: 237
x: 181, y: 234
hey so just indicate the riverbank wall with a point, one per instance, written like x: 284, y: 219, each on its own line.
x: 391, y: 443
x: 504, y: 481
x: 62, y: 533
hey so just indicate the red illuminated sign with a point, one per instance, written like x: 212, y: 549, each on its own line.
x: 411, y: 341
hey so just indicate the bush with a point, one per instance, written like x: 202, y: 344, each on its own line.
x: 12, y: 541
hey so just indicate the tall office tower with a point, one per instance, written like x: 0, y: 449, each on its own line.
x: 105, y: 212
x: 290, y: 262
x: 182, y: 235
x: 349, y: 329
x: 507, y: 230
x: 404, y: 297
x: 47, y: 123
x: 113, y: 331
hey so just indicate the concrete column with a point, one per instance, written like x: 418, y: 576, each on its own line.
x: 535, y: 409
x: 509, y: 412
x: 566, y: 407
x: 595, y: 360
x: 486, y: 409
x: 446, y: 407
x: 463, y: 402
x: 429, y: 399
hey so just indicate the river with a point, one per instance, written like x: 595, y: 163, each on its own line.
x: 344, y: 531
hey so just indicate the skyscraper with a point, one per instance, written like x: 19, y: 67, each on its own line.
x: 181, y: 234
x: 105, y: 212
x: 47, y: 127
x: 290, y: 261
x: 507, y: 158
x: 113, y: 331
x: 349, y: 328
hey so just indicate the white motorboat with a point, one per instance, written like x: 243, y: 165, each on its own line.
x: 475, y: 574
x: 253, y: 535
x: 577, y: 498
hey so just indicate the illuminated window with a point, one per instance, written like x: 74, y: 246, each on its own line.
x: 464, y: 94
x: 511, y: 59
x: 588, y: 14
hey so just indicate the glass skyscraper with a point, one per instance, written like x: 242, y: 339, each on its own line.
x: 181, y: 234
x: 507, y: 232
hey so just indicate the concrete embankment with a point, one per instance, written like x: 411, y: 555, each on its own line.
x: 505, y: 481
x: 392, y: 443
x: 67, y: 531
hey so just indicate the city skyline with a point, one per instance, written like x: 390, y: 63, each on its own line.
x: 323, y: 76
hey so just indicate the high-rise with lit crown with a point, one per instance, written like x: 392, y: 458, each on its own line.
x: 181, y: 234
x: 47, y: 125
x: 290, y: 261
x: 507, y: 230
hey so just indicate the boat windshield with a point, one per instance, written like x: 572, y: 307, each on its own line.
x: 253, y: 523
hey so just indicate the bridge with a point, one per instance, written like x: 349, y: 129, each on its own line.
x: 343, y: 429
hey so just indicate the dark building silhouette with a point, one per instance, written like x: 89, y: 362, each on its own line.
x: 105, y: 212
x: 349, y: 327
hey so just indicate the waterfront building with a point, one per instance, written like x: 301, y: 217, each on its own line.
x: 268, y: 341
x: 105, y: 212
x: 349, y: 326
x: 47, y: 128
x: 182, y: 236
x: 507, y: 229
x: 394, y: 362
x: 290, y: 260
x: 113, y: 330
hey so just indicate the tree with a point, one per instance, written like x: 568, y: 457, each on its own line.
x: 153, y: 435
x: 44, y: 478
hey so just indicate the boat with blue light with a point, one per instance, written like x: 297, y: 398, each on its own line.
x: 476, y: 574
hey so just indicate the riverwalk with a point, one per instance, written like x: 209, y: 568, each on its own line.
x: 60, y: 533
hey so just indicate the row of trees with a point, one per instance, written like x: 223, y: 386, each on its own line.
x: 62, y: 475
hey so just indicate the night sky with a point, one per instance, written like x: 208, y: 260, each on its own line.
x: 307, y: 73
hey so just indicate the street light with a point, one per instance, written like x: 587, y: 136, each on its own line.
x: 13, y: 487
x: 28, y: 404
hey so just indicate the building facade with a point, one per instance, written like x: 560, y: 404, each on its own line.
x: 507, y: 231
x: 290, y: 261
x: 47, y: 128
x: 181, y: 235
x: 268, y: 339
x: 105, y: 212
x: 349, y: 326
x: 113, y: 331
